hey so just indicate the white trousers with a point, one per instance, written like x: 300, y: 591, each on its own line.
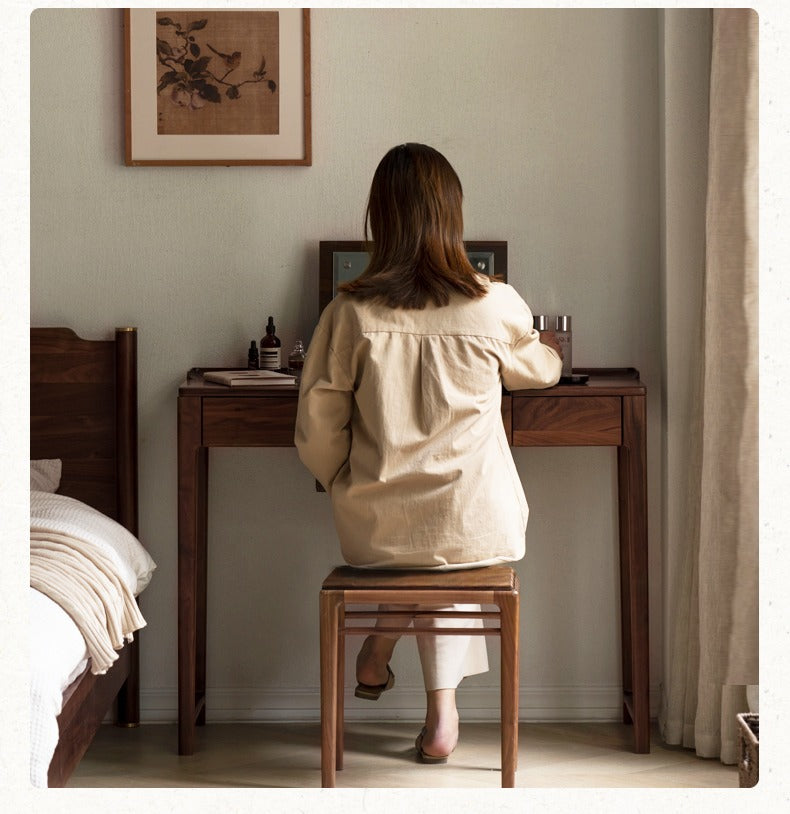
x: 445, y: 660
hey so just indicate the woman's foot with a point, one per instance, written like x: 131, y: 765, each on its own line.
x: 440, y: 734
x: 373, y: 660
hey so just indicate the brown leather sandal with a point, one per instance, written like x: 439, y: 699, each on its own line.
x: 372, y: 692
x: 422, y: 756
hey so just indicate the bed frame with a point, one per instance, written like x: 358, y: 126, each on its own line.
x: 83, y: 410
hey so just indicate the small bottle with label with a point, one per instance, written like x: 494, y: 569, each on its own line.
x: 296, y: 358
x: 564, y: 337
x: 270, y: 348
x: 253, y: 360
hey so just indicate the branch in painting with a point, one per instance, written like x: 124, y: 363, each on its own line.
x: 190, y: 78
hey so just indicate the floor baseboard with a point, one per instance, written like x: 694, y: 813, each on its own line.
x: 536, y: 704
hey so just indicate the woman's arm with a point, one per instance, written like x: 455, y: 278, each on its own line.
x: 323, y: 433
x: 532, y: 364
x: 535, y: 359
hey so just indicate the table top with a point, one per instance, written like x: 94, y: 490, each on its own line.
x: 608, y: 381
x: 603, y: 381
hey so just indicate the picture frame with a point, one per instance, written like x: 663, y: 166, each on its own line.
x: 342, y: 260
x: 217, y: 87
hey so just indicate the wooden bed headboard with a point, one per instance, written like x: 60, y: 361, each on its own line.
x: 83, y: 410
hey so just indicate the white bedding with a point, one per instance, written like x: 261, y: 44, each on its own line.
x: 57, y: 656
x: 58, y: 653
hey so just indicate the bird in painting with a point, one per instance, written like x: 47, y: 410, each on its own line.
x: 231, y: 60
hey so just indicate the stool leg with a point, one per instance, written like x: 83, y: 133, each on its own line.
x: 508, y: 609
x: 329, y: 608
x: 341, y: 684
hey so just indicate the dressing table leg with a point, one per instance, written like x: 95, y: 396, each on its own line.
x: 632, y: 477
x: 202, y: 584
x: 192, y: 477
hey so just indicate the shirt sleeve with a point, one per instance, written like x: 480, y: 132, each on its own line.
x: 323, y: 433
x: 530, y: 364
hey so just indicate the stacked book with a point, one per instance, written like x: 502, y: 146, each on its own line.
x: 248, y: 378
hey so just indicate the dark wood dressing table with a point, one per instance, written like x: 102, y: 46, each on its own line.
x: 609, y: 410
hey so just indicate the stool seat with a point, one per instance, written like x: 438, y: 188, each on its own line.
x: 489, y: 578
x: 422, y: 591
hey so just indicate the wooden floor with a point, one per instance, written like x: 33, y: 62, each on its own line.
x: 382, y: 755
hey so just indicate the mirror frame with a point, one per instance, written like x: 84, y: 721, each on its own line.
x: 327, y: 249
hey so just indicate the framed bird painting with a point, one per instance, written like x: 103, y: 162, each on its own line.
x: 217, y: 86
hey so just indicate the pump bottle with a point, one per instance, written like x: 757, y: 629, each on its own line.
x: 564, y: 337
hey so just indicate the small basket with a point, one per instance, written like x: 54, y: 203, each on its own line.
x: 749, y: 764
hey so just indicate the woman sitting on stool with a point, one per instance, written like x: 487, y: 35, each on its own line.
x: 400, y: 419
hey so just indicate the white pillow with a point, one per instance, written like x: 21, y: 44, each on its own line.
x: 65, y: 515
x: 45, y: 474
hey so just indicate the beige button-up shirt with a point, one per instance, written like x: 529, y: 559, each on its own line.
x: 400, y: 420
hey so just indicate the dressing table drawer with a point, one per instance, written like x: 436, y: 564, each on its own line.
x: 244, y: 421
x: 563, y: 421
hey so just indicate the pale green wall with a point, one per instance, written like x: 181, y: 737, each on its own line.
x: 551, y: 118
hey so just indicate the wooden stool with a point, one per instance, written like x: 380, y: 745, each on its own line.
x: 495, y: 585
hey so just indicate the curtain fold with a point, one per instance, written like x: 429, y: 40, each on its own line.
x: 713, y: 648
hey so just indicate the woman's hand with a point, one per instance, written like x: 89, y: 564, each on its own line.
x: 549, y: 338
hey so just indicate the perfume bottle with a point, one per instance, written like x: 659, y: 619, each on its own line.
x: 270, y: 348
x: 253, y: 360
x: 296, y: 358
x: 564, y: 337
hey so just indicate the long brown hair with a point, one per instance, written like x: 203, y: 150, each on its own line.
x: 416, y: 223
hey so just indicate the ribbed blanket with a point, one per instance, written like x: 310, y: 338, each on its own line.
x: 85, y: 582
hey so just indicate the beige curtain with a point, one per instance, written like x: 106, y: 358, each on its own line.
x: 713, y: 637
